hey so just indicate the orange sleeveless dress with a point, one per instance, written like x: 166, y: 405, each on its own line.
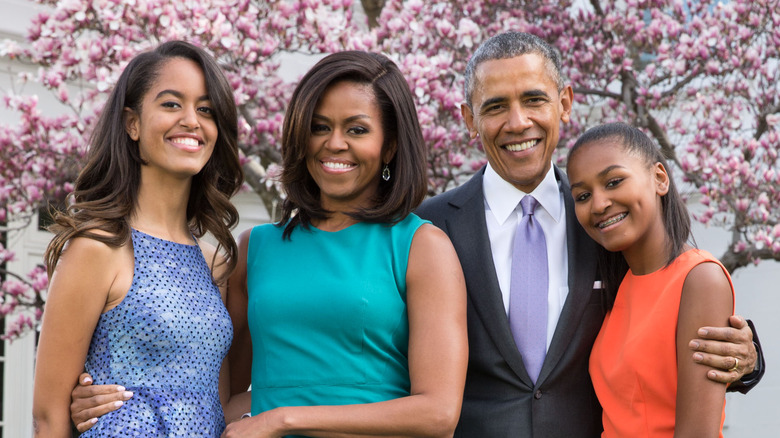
x: 633, y: 363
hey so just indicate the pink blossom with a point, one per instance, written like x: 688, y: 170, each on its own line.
x: 720, y: 51
x: 15, y: 288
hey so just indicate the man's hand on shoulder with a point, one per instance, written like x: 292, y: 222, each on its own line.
x: 728, y: 350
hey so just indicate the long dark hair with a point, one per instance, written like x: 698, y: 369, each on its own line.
x: 396, y: 198
x: 106, y: 190
x: 677, y: 223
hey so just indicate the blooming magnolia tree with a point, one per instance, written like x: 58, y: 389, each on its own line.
x: 700, y: 77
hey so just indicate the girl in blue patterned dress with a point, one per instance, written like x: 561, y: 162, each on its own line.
x: 133, y: 296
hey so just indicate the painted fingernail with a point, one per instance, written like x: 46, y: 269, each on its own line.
x: 127, y: 394
x: 93, y: 420
x: 120, y: 388
x: 118, y: 403
x: 87, y: 380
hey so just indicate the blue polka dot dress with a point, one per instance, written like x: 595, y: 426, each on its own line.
x: 165, y: 342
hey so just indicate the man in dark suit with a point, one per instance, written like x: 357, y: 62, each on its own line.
x: 516, y: 100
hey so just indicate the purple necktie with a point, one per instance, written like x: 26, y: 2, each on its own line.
x: 528, y: 289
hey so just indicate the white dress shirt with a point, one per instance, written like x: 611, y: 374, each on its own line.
x: 502, y: 213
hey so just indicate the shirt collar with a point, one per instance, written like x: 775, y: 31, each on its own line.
x: 502, y: 197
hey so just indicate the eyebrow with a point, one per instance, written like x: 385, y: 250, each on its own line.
x: 179, y: 95
x: 526, y: 94
x: 348, y: 119
x: 600, y: 174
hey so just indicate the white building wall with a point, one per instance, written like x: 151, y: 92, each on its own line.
x: 758, y: 296
x: 29, y: 246
x: 20, y: 354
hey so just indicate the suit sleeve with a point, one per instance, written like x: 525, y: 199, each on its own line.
x: 429, y: 211
x: 749, y: 381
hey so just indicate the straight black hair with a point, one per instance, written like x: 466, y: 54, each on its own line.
x: 677, y: 222
x: 395, y: 198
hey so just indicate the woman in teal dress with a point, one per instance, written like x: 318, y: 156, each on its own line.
x: 356, y: 307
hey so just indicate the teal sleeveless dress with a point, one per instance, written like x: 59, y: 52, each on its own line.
x: 327, y: 314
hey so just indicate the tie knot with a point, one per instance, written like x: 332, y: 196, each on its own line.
x: 528, y: 204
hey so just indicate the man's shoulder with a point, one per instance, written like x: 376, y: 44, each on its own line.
x: 441, y: 199
x: 453, y: 198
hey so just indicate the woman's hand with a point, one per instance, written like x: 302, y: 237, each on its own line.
x: 259, y: 426
x: 88, y: 401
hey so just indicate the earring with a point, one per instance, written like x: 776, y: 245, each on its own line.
x: 386, y: 173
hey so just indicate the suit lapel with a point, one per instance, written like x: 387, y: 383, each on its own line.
x: 468, y: 232
x: 582, y: 265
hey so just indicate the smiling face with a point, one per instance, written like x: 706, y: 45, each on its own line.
x: 517, y: 111
x: 345, y: 152
x: 175, y: 128
x: 617, y: 197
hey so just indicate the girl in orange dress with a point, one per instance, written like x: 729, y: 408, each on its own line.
x: 659, y: 289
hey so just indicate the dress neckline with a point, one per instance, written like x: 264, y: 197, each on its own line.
x: 664, y: 267
x: 350, y: 227
x: 187, y: 245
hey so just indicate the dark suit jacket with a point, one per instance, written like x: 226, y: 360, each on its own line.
x: 500, y: 400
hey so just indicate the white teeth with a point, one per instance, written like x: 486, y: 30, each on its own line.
x: 612, y: 220
x: 186, y: 141
x: 332, y: 165
x: 521, y: 146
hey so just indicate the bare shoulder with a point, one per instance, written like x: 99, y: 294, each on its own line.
x: 89, y: 266
x: 707, y: 296
x: 430, y: 237
x: 432, y: 256
x: 89, y: 250
x: 207, y: 248
x: 209, y: 251
x: 243, y: 247
x: 238, y: 276
x: 236, y: 285
x: 243, y: 239
x: 706, y: 279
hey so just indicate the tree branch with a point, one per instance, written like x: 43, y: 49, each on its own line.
x: 732, y: 260
x: 662, y: 138
x: 595, y: 92
x: 4, y: 272
x: 762, y: 125
x: 597, y: 7
x: 372, y: 8
x: 254, y: 171
x: 672, y: 91
x: 657, y: 81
